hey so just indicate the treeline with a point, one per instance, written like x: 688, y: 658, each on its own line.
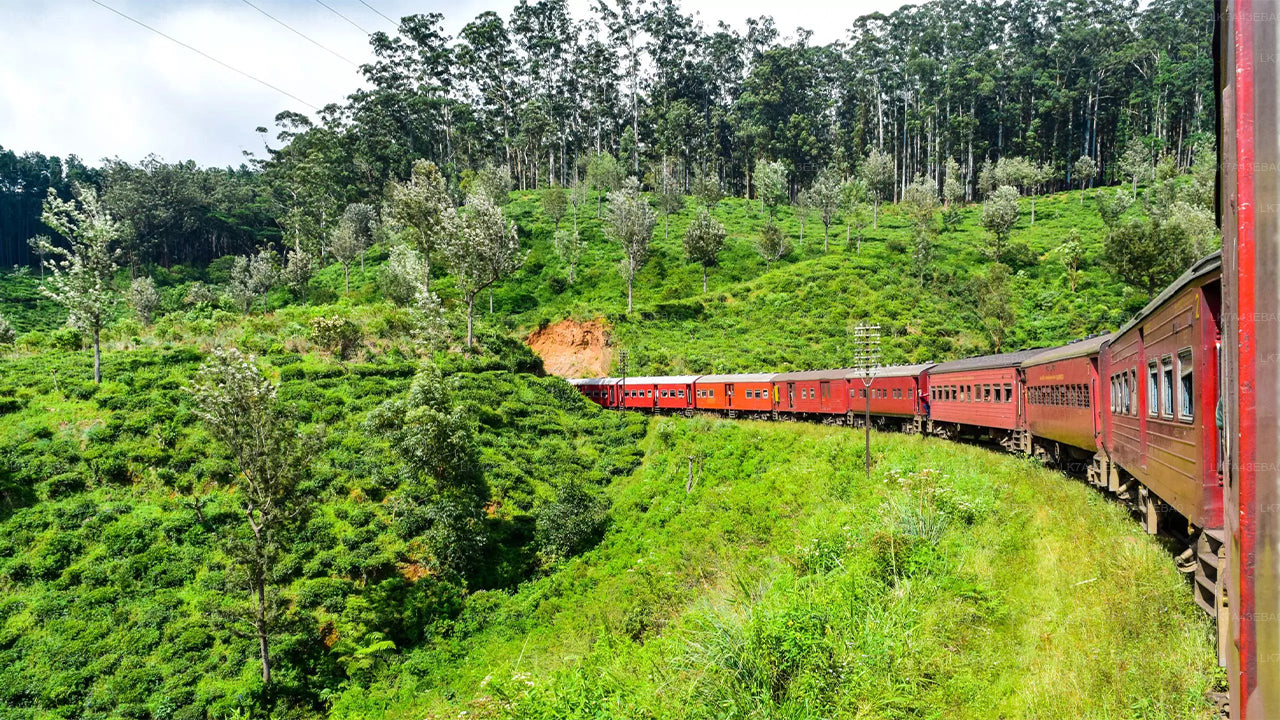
x: 539, y: 93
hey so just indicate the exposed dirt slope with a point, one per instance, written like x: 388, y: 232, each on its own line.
x: 573, y: 349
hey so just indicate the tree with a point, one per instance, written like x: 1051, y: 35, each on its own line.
x: 421, y: 205
x: 577, y: 198
x: 351, y: 237
x: 144, y: 299
x: 921, y: 202
x: 630, y: 224
x: 241, y: 412
x: 670, y: 200
x: 604, y: 175
x: 800, y: 209
x: 771, y: 185
x: 401, y: 276
x: 251, y: 278
x: 999, y: 215
x: 480, y: 249
x: 825, y: 196
x: 7, y: 334
x: 297, y: 271
x: 772, y: 244
x: 82, y: 273
x: 853, y: 202
x: 1135, y: 162
x: 994, y: 308
x: 1148, y: 255
x: 492, y: 182
x: 706, y: 187
x: 877, y: 174
x: 1084, y: 169
x: 952, y: 195
x: 1111, y: 206
x: 569, y: 247
x: 703, y: 240
x: 444, y: 492
x: 1071, y: 252
x: 555, y: 201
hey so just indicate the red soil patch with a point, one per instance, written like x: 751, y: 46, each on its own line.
x: 573, y: 349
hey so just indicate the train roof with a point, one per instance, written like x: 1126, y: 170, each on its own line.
x: 1080, y: 348
x: 1204, y: 266
x: 836, y: 374
x: 737, y: 378
x: 661, y: 379
x: 986, y: 362
x: 593, y: 381
x: 891, y: 371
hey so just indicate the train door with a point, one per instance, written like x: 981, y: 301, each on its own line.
x: 791, y: 396
x: 825, y: 388
x: 1095, y: 406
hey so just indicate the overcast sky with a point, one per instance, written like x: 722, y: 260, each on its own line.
x: 76, y: 78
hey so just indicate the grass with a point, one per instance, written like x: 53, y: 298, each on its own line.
x: 954, y: 582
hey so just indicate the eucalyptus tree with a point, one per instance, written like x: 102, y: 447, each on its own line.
x: 577, y: 198
x: 630, y: 224
x: 952, y: 195
x: 480, y: 248
x: 825, y: 197
x: 703, y: 241
x: 920, y: 200
x: 351, y: 237
x: 422, y: 204
x: 604, y: 175
x: 82, y: 273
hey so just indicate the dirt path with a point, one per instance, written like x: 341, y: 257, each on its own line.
x: 573, y: 349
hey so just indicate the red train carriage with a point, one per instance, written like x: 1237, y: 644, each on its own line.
x: 896, y: 393
x: 601, y: 391
x: 735, y: 394
x: 1064, y: 396
x: 812, y: 392
x: 638, y: 393
x: 1160, y: 432
x: 667, y: 392
x: 980, y: 397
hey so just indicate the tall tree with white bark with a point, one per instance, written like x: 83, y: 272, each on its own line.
x: 630, y: 224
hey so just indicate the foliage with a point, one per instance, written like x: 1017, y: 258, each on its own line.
x: 569, y: 247
x: 144, y: 299
x: 555, y: 202
x: 403, y: 275
x: 421, y: 204
x: 480, y: 248
x: 703, y: 241
x: 771, y: 243
x: 630, y: 224
x: 999, y: 216
x: 336, y: 334
x: 251, y: 278
x: 771, y: 185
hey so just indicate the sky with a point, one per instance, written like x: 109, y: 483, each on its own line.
x: 76, y: 78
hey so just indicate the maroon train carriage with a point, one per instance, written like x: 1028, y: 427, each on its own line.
x: 980, y: 398
x: 601, y: 391
x: 638, y: 393
x: 1064, y: 398
x: 824, y: 393
x: 896, y: 394
x: 737, y: 395
x: 1161, y: 433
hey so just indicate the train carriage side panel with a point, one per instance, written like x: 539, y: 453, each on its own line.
x: 822, y: 392
x: 1062, y: 394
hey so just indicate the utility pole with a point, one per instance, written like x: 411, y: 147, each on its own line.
x: 866, y: 360
x: 622, y: 365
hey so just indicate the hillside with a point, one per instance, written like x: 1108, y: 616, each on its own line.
x: 954, y: 582
x: 766, y: 587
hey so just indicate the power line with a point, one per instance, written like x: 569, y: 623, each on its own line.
x: 344, y: 17
x: 206, y: 55
x: 384, y: 17
x: 299, y: 33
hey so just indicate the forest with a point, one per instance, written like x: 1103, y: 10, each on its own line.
x: 539, y: 93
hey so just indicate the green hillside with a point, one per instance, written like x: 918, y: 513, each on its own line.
x: 597, y: 580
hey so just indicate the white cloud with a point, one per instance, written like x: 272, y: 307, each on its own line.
x: 76, y: 78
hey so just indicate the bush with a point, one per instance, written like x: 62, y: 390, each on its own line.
x: 336, y: 334
x: 572, y: 522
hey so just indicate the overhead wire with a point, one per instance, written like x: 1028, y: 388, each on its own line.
x: 204, y: 54
x: 384, y: 17
x: 344, y: 17
x: 300, y: 34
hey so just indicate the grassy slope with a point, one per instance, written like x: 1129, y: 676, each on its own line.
x: 953, y: 583
x: 798, y: 314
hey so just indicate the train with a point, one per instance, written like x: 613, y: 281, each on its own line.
x: 1136, y: 412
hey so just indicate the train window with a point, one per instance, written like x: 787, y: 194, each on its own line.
x: 986, y: 393
x: 1115, y: 393
x: 1153, y: 389
x: 681, y: 393
x: 1008, y: 392
x: 1186, y: 397
x: 1166, y: 386
x: 1132, y: 405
